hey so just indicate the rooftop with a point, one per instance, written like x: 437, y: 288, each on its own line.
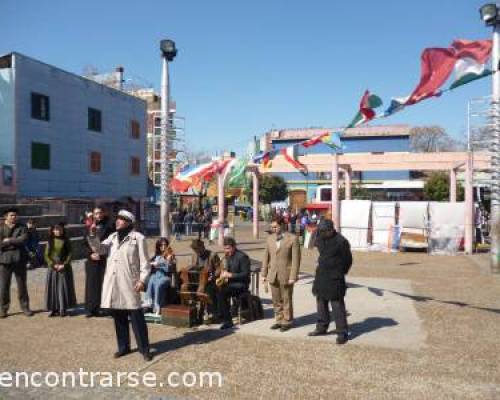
x: 365, y: 131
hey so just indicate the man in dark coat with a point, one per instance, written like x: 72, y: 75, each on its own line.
x: 237, y: 273
x: 334, y: 262
x: 13, y: 259
x: 96, y: 265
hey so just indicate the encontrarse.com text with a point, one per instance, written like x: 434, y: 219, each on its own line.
x: 90, y: 379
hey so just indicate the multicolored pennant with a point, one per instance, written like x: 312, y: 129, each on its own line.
x: 366, y: 109
x: 315, y: 140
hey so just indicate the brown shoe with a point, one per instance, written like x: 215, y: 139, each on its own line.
x: 275, y: 326
x: 285, y: 328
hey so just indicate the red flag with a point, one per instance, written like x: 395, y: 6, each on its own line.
x: 437, y: 65
x: 479, y: 50
x: 365, y: 107
x: 289, y: 154
x: 315, y: 140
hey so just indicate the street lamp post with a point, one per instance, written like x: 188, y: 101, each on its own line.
x: 490, y: 16
x: 168, y: 51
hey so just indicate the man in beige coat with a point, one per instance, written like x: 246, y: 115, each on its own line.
x: 281, y: 269
x: 127, y: 270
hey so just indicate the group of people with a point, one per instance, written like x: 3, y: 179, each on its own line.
x: 280, y: 270
x: 118, y: 270
x: 188, y: 222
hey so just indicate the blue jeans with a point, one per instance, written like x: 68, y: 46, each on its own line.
x: 157, y: 289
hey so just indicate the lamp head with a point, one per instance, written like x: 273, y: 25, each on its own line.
x: 489, y: 14
x: 168, y: 49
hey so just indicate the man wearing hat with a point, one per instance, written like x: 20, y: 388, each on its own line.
x: 334, y: 262
x: 13, y: 259
x: 127, y: 269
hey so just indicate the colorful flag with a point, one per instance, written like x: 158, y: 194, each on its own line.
x: 333, y: 141
x: 315, y: 140
x: 237, y: 177
x: 471, y: 64
x: 265, y: 158
x: 397, y: 104
x: 193, y: 176
x: 290, y: 154
x: 366, y: 109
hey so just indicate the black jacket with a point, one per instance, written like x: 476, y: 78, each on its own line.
x: 239, y: 265
x: 334, y: 262
x: 15, y: 250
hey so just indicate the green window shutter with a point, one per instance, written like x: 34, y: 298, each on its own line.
x: 40, y: 155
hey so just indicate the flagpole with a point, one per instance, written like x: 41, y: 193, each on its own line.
x: 494, y: 152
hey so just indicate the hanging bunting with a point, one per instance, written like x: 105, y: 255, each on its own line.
x: 315, y: 140
x: 366, y: 109
x: 290, y: 154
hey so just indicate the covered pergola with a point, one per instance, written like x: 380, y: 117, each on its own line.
x: 346, y: 164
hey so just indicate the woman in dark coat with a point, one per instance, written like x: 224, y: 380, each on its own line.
x: 334, y: 262
x: 60, y: 287
x: 96, y: 265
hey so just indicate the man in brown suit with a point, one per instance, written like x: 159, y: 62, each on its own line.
x: 281, y: 269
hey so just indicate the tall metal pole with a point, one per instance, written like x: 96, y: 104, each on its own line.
x: 335, y: 192
x: 495, y: 154
x: 255, y: 182
x: 165, y: 151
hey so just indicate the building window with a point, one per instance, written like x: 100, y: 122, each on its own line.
x: 95, y: 161
x: 135, y: 129
x: 135, y: 166
x: 40, y: 107
x: 94, y: 120
x: 40, y: 155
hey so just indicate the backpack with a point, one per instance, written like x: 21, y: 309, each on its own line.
x: 255, y: 308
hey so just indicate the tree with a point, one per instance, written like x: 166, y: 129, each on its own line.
x: 427, y: 139
x: 437, y: 188
x: 271, y: 188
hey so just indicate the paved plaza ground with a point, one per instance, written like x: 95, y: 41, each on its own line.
x: 422, y: 327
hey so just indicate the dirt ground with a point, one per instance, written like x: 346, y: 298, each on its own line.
x: 456, y: 299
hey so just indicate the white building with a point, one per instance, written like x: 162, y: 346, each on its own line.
x: 63, y: 135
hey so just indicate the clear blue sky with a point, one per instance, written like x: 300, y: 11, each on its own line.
x: 244, y: 67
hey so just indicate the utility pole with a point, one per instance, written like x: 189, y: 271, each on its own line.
x: 168, y: 53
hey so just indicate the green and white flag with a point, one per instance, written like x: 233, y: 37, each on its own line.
x: 468, y: 70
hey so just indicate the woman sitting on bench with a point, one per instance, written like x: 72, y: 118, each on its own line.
x: 162, y: 271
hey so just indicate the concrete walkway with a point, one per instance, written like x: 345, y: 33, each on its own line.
x: 381, y: 313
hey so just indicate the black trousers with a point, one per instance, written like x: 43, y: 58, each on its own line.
x: 339, y: 315
x: 211, y: 290
x: 94, y: 277
x: 224, y: 298
x: 20, y: 271
x: 138, y: 326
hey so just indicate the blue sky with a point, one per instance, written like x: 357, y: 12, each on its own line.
x: 245, y: 67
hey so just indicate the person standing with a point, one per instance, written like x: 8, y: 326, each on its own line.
x: 60, y: 286
x: 280, y: 269
x: 334, y: 262
x: 13, y: 259
x: 95, y: 265
x: 127, y: 269
x: 35, y: 256
x: 236, y: 272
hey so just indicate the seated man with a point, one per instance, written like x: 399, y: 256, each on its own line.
x: 236, y: 273
x: 208, y: 261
